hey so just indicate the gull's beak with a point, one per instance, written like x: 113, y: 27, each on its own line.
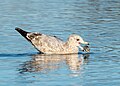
x: 82, y: 48
x: 85, y: 43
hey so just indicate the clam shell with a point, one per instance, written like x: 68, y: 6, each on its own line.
x: 86, y: 48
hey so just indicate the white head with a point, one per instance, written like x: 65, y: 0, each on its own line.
x: 76, y: 40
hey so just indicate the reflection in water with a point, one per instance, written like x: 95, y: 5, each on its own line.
x: 74, y: 62
x: 45, y: 63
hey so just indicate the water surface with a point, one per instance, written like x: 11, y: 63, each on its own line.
x: 97, y: 21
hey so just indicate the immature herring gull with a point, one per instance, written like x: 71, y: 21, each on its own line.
x: 51, y: 44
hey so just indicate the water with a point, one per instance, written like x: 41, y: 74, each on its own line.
x: 97, y: 21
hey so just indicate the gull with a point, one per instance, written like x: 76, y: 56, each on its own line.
x: 47, y: 44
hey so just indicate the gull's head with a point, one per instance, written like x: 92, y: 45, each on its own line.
x: 76, y: 40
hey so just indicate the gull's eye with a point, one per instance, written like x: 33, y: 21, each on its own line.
x: 77, y: 39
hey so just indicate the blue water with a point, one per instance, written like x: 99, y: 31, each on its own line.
x: 97, y: 21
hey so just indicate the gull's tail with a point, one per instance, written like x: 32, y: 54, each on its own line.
x: 22, y: 32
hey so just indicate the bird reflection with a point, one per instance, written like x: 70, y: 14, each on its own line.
x: 46, y: 63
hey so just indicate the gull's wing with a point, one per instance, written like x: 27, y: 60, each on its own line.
x: 43, y: 43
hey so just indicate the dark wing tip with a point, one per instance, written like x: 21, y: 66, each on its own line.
x: 17, y: 29
x: 22, y: 32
